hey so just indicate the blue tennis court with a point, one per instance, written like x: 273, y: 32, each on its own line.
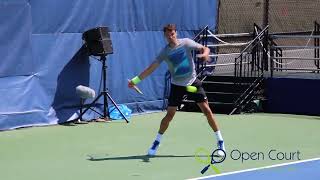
x: 307, y: 170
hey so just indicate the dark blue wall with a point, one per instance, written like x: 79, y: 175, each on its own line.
x: 295, y: 96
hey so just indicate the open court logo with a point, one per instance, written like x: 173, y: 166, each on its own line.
x: 203, y: 156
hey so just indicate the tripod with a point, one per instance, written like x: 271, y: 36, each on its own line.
x: 105, y: 95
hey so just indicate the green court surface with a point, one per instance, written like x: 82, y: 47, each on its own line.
x: 116, y: 150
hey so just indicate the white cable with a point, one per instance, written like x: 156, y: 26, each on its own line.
x: 224, y: 42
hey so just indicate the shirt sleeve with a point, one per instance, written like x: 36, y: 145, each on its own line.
x: 161, y: 56
x: 191, y: 44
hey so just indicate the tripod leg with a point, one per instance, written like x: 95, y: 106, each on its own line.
x: 79, y: 120
x: 105, y: 107
x: 93, y: 102
x: 105, y: 92
x: 117, y: 107
x: 81, y: 109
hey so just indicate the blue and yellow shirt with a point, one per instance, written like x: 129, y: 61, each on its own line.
x: 180, y: 61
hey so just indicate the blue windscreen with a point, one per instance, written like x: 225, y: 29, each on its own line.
x: 43, y: 58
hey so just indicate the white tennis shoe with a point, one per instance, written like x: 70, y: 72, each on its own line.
x: 221, y: 147
x: 153, y: 149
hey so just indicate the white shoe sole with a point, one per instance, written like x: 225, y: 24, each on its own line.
x: 152, y: 152
x: 221, y: 153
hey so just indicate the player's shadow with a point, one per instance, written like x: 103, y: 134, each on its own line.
x: 144, y: 158
x: 317, y: 118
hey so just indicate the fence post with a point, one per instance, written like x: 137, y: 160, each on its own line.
x: 265, y: 21
x: 265, y: 51
x: 317, y: 44
x: 271, y: 61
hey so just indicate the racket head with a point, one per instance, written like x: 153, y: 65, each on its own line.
x: 216, y: 158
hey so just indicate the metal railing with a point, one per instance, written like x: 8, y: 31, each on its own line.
x: 215, y: 43
x: 262, y: 54
x: 247, y: 96
x: 299, y: 59
x: 202, y: 38
x: 251, y: 61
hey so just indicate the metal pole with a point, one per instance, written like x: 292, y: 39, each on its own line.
x: 81, y: 108
x: 105, y: 100
x: 265, y: 50
x: 316, y: 44
x: 265, y: 21
x: 271, y: 61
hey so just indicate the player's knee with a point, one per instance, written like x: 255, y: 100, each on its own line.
x: 207, y: 112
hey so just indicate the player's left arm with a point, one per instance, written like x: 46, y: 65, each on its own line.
x: 205, y: 51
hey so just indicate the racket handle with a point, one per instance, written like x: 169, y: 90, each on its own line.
x: 205, y: 169
x: 136, y: 88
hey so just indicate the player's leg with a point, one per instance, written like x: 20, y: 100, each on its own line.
x: 202, y: 101
x: 204, y: 106
x: 175, y: 98
x: 171, y: 110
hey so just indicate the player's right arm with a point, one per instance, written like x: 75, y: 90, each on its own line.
x: 149, y: 70
x: 153, y: 66
x: 144, y: 73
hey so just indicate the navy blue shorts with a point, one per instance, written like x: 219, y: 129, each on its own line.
x: 178, y: 92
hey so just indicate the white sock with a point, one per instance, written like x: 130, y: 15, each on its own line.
x: 218, y: 136
x: 159, y: 136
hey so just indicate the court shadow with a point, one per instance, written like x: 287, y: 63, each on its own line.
x: 144, y: 158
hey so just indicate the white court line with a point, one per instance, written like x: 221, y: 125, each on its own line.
x: 254, y: 169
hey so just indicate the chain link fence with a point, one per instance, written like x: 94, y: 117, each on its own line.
x: 290, y: 17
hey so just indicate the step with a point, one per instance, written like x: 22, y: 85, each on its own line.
x: 216, y: 107
x: 212, y: 103
x: 225, y: 97
x: 226, y: 87
x: 229, y: 79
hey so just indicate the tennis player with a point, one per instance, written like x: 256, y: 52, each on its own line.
x: 177, y: 54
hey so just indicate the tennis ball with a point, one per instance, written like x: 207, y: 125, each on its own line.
x: 191, y: 89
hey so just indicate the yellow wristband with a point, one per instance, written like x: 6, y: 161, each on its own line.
x: 135, y: 80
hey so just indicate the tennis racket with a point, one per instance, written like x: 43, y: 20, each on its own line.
x: 136, y: 88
